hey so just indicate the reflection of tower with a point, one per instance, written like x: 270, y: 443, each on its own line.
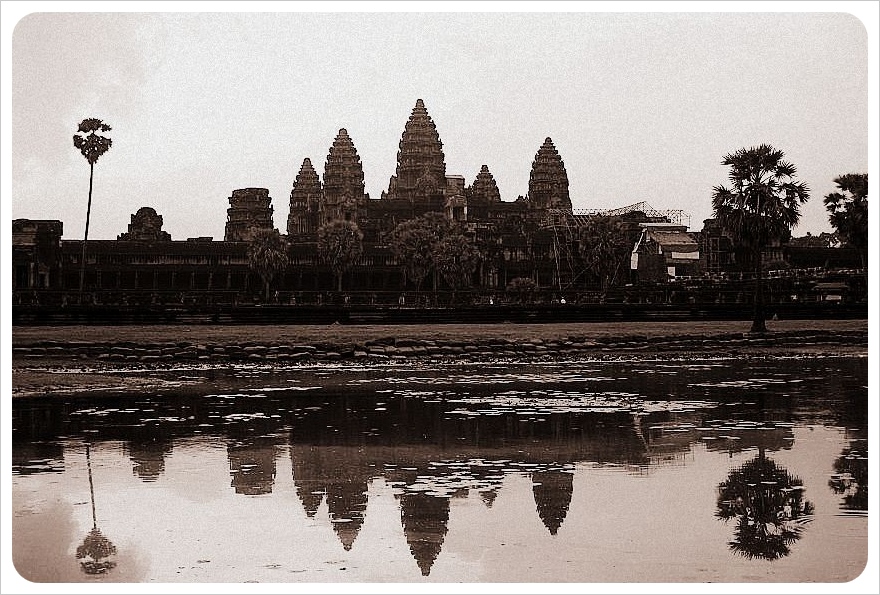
x: 552, y: 491
x: 424, y: 519
x: 488, y: 496
x: 148, y: 457
x: 252, y: 467
x: 309, y: 477
x: 340, y: 473
x: 347, y: 505
x: 96, y: 551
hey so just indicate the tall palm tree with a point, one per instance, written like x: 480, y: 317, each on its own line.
x: 267, y: 255
x: 456, y: 258
x: 414, y: 241
x: 848, y: 211
x: 604, y: 246
x: 92, y: 146
x: 762, y: 205
x: 340, y: 245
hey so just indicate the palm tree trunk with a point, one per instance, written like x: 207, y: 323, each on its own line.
x: 759, y: 322
x: 82, y: 263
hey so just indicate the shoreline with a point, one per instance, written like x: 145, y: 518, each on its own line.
x: 55, y: 361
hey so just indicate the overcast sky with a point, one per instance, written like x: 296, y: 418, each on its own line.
x: 642, y: 106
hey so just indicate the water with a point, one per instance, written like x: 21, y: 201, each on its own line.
x: 598, y: 471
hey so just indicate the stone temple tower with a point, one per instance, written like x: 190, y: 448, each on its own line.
x: 548, y: 182
x: 485, y: 188
x: 305, y: 201
x: 249, y: 209
x: 421, y: 167
x: 343, y: 181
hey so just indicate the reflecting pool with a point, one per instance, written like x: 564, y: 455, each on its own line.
x: 617, y: 470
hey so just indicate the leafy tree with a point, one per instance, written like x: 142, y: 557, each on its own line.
x: 762, y: 205
x: 604, y: 246
x: 823, y: 240
x: 456, y: 259
x: 769, y: 506
x: 267, y: 255
x: 414, y: 242
x: 92, y: 146
x: 340, y: 245
x: 848, y: 211
x: 523, y: 288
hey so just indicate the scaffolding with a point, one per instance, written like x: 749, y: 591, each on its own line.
x: 675, y: 216
x: 565, y: 226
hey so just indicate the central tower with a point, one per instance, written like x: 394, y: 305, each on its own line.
x: 420, y: 178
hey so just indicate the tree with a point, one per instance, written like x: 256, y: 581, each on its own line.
x: 456, y: 260
x: 761, y: 206
x: 523, y: 288
x: 340, y: 245
x: 92, y: 146
x: 823, y: 240
x: 848, y: 211
x: 604, y: 246
x: 267, y: 255
x: 414, y: 242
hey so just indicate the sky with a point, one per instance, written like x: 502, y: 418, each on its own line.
x: 642, y: 106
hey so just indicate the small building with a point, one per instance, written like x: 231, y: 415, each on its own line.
x: 665, y: 251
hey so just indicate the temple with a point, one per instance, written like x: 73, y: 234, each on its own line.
x: 538, y: 237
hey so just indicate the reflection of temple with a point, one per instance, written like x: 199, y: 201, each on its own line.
x: 148, y: 457
x: 252, y: 466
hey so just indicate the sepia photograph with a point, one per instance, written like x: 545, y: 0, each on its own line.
x: 414, y: 297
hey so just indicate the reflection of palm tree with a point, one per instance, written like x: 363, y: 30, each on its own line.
x: 769, y: 505
x: 94, y: 552
x: 851, y: 479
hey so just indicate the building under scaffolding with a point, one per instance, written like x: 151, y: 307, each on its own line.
x: 565, y: 226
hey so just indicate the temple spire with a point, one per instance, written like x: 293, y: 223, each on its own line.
x: 305, y: 201
x: 420, y: 177
x: 548, y: 181
x: 343, y: 180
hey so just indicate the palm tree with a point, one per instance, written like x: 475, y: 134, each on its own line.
x: 848, y: 211
x: 340, y: 244
x: 456, y: 258
x: 414, y: 241
x: 92, y: 147
x: 761, y: 206
x: 267, y: 255
x: 604, y: 246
